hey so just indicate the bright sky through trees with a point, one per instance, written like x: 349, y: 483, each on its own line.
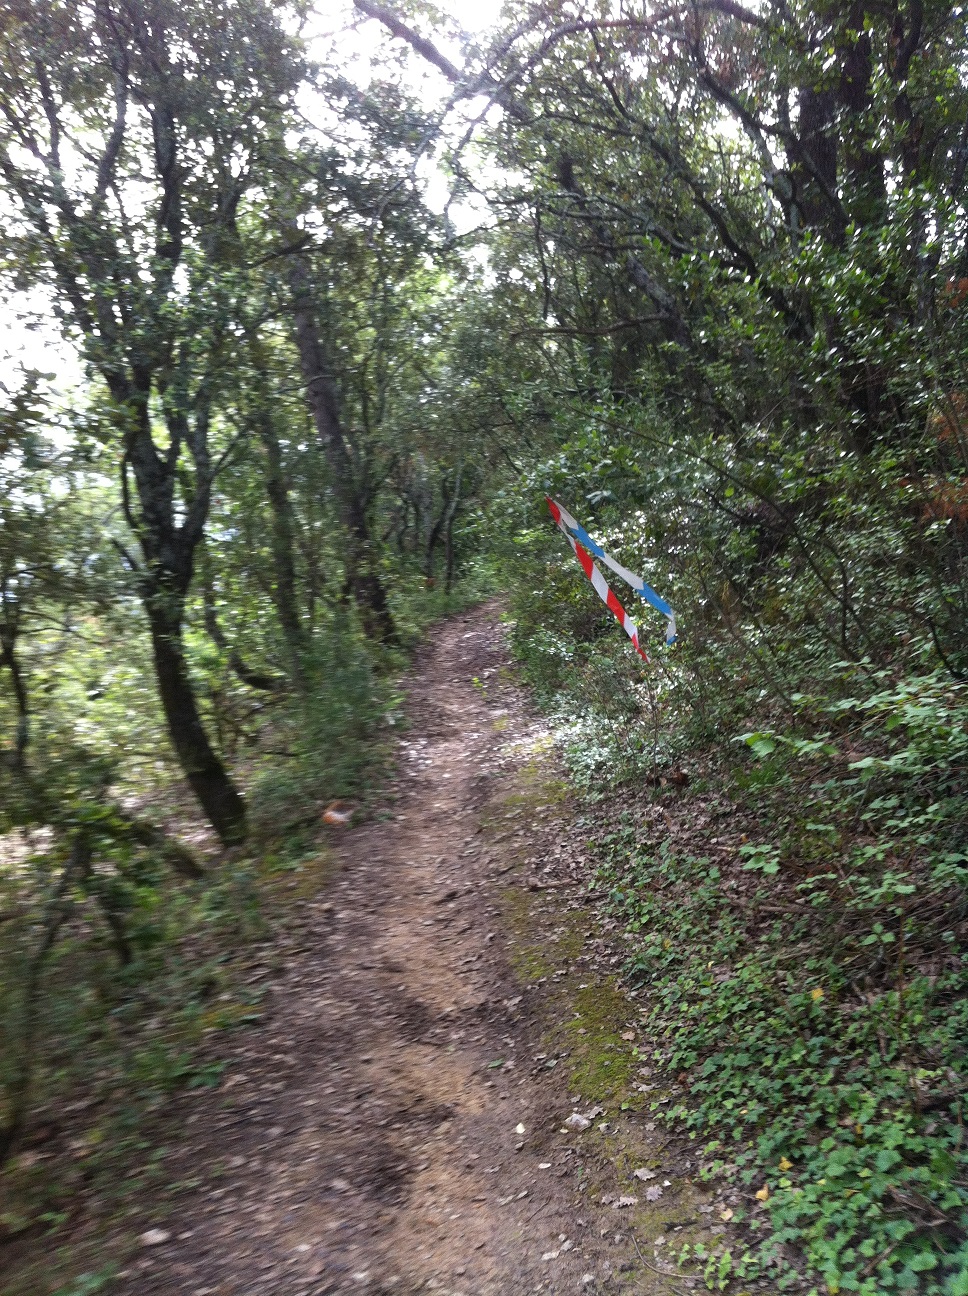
x: 337, y: 34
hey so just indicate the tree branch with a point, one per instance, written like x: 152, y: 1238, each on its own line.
x: 400, y: 29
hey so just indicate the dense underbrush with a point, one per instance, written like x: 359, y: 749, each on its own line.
x: 795, y: 898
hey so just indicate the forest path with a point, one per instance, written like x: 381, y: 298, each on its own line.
x: 396, y: 1125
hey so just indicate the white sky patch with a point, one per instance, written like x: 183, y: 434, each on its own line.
x: 366, y: 40
x: 30, y: 339
x: 363, y: 50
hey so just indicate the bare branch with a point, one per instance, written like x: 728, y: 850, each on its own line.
x: 112, y: 149
x: 400, y: 29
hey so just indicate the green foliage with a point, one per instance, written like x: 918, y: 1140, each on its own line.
x: 816, y: 1013
x: 330, y: 737
x: 837, y: 1100
x: 721, y: 314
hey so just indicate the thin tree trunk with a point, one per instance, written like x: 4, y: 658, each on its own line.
x: 362, y: 576
x: 449, y: 530
x: 433, y: 540
x: 285, y: 593
x: 169, y: 550
x: 206, y: 774
x: 8, y: 658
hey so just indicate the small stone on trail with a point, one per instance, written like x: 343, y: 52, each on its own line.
x: 576, y: 1121
x: 154, y: 1237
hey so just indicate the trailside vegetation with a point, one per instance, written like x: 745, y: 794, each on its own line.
x: 221, y: 526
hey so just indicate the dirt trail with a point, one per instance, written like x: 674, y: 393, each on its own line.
x: 396, y: 1124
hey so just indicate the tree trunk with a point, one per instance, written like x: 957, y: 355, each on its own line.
x: 362, y: 576
x: 449, y: 530
x: 814, y: 165
x: 206, y: 774
x: 285, y: 595
x: 8, y: 658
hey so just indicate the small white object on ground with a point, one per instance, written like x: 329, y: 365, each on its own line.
x: 154, y: 1237
x: 576, y: 1121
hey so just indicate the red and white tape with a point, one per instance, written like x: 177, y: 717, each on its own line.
x: 599, y: 583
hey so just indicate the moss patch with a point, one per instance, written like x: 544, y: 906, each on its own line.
x: 601, y: 1063
x: 588, y: 1029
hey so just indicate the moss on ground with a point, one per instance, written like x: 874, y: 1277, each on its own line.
x: 588, y: 1021
x: 601, y: 1063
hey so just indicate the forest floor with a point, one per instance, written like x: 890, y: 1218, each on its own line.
x: 441, y: 1004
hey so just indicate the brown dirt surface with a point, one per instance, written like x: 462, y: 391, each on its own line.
x: 447, y: 1000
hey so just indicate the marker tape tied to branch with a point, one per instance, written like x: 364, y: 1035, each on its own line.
x: 584, y: 547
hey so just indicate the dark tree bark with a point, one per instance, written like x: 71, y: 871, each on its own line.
x: 285, y: 590
x: 814, y: 168
x: 169, y: 544
x: 9, y: 659
x: 449, y: 532
x: 360, y: 558
x: 215, y: 791
x: 443, y: 528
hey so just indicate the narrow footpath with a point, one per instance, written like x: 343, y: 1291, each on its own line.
x: 404, y: 1120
